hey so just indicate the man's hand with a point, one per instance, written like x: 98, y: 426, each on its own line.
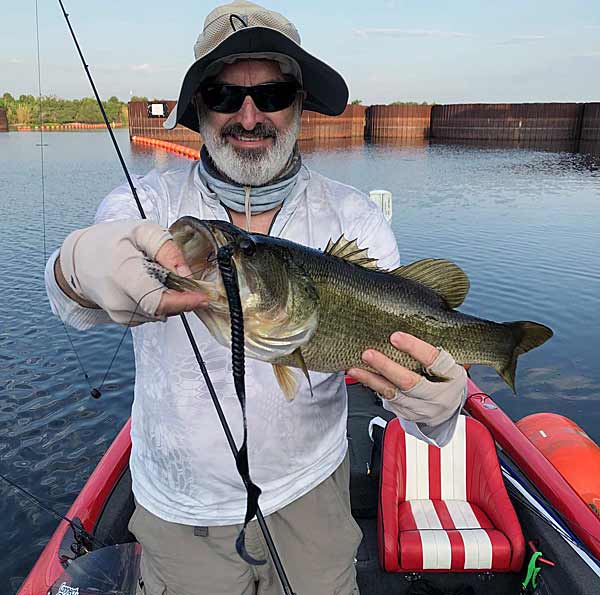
x: 410, y: 395
x: 104, y: 266
x: 175, y: 302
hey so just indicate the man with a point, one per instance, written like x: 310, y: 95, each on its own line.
x: 244, y: 94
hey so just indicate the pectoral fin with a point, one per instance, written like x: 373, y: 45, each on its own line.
x: 286, y: 380
x: 286, y: 377
x: 297, y: 355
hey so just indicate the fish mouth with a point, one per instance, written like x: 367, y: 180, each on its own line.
x: 200, y: 242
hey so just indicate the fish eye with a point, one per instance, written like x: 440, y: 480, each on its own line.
x: 247, y: 246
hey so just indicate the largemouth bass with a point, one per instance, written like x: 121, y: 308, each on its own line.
x: 319, y: 311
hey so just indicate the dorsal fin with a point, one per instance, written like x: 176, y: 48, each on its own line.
x: 447, y: 279
x: 350, y: 252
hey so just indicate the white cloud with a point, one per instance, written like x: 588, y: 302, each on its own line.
x: 12, y: 61
x: 152, y: 68
x: 142, y: 68
x: 521, y: 39
x: 396, y: 32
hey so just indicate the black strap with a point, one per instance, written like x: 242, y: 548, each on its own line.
x: 229, y: 276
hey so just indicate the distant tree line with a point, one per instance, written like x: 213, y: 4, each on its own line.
x: 25, y: 110
x: 359, y: 102
x: 412, y: 103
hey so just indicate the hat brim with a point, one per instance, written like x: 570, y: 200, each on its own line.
x: 326, y: 91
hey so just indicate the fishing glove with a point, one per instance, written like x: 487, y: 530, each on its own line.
x: 432, y: 403
x: 104, y: 264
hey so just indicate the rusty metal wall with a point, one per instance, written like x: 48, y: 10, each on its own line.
x: 402, y: 122
x: 3, y: 121
x: 141, y: 125
x: 590, y: 129
x: 543, y: 125
x: 349, y: 124
x: 520, y: 122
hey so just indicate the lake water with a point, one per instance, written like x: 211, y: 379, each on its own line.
x: 523, y: 224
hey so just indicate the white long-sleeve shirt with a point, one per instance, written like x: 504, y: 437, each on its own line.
x: 181, y: 466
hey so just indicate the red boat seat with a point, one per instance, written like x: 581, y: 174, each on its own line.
x: 445, y: 509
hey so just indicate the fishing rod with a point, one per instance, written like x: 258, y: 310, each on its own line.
x: 240, y: 455
x: 83, y: 539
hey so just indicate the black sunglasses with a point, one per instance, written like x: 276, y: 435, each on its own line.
x: 268, y: 97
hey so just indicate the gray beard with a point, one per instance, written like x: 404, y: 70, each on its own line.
x: 250, y: 167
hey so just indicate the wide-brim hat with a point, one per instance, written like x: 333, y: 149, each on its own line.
x: 244, y: 29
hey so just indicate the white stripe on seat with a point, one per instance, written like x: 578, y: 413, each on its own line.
x: 417, y: 468
x: 453, y: 464
x: 478, y: 548
x: 437, y: 552
x: 462, y: 514
x: 425, y: 514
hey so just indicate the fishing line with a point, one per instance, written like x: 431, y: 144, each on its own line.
x: 104, y: 116
x: 41, y: 119
x: 98, y: 392
x: 263, y: 526
x: 43, y: 182
x: 76, y: 529
x: 79, y: 532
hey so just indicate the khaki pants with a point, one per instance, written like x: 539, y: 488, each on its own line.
x: 316, y: 538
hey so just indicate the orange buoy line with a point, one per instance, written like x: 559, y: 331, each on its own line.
x: 167, y: 146
x: 574, y: 454
x: 72, y: 126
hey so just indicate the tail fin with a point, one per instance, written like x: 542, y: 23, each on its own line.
x: 527, y: 335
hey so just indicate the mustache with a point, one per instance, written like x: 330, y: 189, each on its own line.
x: 261, y: 130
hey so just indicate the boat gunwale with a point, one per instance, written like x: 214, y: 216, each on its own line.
x: 87, y: 507
x: 579, y: 517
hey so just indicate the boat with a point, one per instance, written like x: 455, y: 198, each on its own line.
x: 558, y: 531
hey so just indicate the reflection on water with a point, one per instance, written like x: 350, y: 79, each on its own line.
x: 524, y: 224
x: 591, y: 149
x: 537, y: 145
x: 332, y: 144
x: 588, y: 148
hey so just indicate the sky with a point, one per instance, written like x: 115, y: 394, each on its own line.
x: 387, y: 50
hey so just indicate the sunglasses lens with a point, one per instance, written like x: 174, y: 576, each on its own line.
x: 272, y: 97
x: 268, y: 97
x: 226, y: 99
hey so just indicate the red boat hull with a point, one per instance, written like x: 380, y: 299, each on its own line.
x: 87, y: 507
